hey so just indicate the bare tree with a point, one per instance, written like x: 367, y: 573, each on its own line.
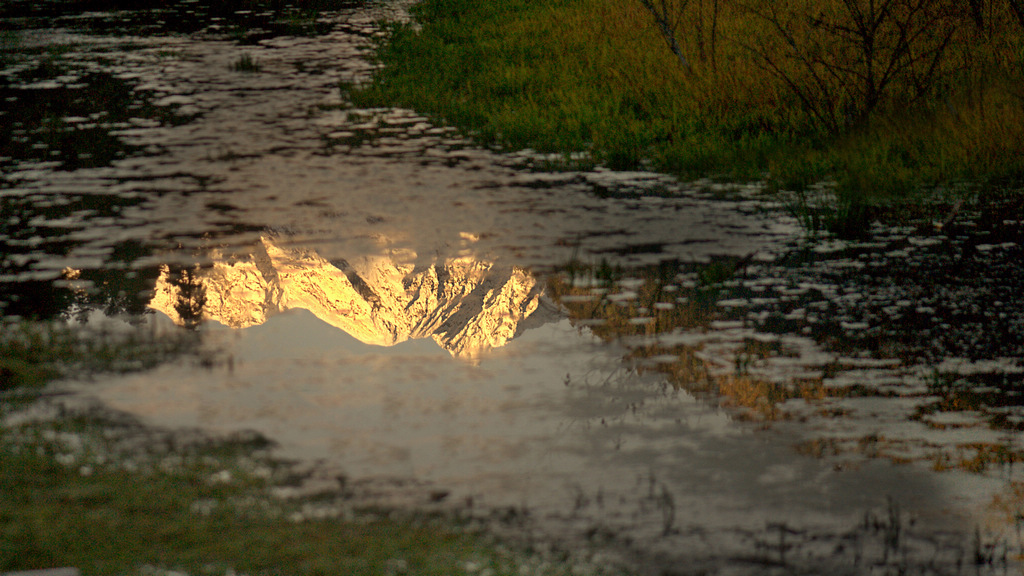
x: 850, y: 57
x: 667, y: 16
x: 977, y: 13
x: 1018, y: 10
x: 701, y: 18
x: 706, y: 31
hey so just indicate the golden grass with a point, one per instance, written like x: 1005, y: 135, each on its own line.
x: 756, y: 98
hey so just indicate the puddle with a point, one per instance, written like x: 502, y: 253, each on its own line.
x: 670, y: 370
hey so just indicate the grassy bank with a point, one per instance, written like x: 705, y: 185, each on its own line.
x: 106, y: 520
x: 88, y: 488
x: 801, y: 93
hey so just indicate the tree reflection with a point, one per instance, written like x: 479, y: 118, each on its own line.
x: 190, y: 297
x: 773, y: 350
x: 639, y: 306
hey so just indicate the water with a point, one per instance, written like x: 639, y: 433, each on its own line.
x: 671, y: 371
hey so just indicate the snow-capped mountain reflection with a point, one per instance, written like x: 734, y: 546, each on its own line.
x: 468, y: 306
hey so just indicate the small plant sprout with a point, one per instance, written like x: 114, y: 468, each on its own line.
x: 246, y: 63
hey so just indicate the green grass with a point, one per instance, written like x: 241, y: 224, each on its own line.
x: 596, y: 76
x: 513, y: 73
x: 118, y: 522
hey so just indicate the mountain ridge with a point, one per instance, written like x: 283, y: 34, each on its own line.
x: 468, y: 306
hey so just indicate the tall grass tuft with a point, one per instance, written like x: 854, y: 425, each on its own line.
x: 246, y: 63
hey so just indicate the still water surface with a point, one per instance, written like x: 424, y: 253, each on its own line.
x: 667, y: 369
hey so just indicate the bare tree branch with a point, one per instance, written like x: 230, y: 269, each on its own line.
x: 850, y: 59
x: 663, y: 17
x: 1018, y: 10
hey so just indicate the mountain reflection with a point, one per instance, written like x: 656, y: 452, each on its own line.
x: 467, y: 306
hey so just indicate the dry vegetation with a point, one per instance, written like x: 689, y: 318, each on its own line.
x: 887, y: 98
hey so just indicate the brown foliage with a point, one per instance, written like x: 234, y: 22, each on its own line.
x: 846, y: 58
x: 843, y: 61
